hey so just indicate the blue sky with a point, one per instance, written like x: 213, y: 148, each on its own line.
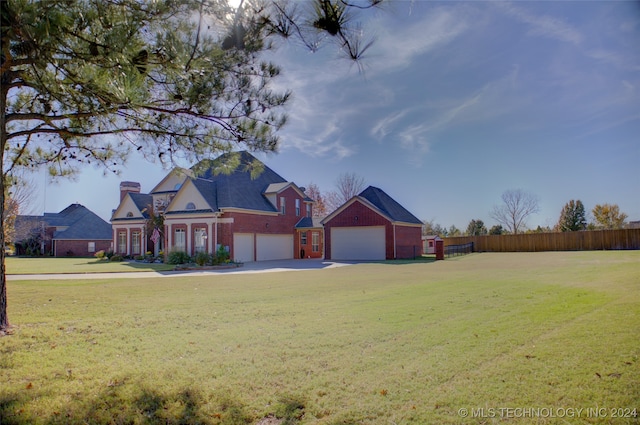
x: 458, y: 102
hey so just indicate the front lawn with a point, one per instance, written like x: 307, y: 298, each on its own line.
x: 472, y: 340
x: 47, y: 265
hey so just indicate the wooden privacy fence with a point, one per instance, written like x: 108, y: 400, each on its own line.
x: 589, y: 240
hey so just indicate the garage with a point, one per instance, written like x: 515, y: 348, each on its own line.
x: 274, y: 247
x: 358, y: 243
x: 243, y: 247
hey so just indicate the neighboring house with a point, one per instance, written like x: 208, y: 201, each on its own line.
x: 255, y: 216
x: 74, y: 231
x: 372, y: 226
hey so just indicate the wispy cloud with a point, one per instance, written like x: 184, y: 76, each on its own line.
x: 397, y: 49
x: 384, y: 126
x: 543, y: 25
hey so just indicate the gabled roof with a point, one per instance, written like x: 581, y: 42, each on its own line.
x: 143, y: 202
x: 140, y: 201
x: 236, y: 187
x: 383, y: 204
x: 76, y: 222
x: 388, y: 205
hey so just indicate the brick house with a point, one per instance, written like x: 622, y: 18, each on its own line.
x: 372, y: 226
x: 244, y: 207
x: 74, y: 231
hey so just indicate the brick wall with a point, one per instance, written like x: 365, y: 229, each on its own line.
x: 408, y: 238
x: 408, y: 241
x: 79, y: 248
x: 306, y: 250
x: 356, y: 215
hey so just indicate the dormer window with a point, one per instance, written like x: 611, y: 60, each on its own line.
x: 190, y: 206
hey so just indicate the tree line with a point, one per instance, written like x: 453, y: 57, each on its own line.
x: 518, y: 205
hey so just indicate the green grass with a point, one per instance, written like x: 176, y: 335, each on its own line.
x: 364, y: 344
x: 46, y: 265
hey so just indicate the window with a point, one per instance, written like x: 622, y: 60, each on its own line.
x: 129, y: 214
x: 308, y: 210
x: 179, y: 240
x: 91, y: 247
x: 200, y: 237
x: 303, y: 238
x: 122, y: 242
x: 297, y: 207
x: 135, y: 242
x: 315, y: 241
x: 190, y: 206
x: 283, y: 210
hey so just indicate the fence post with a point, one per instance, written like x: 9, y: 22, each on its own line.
x: 439, y: 249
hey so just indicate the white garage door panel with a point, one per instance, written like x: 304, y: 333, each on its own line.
x: 358, y: 243
x: 274, y: 247
x: 243, y: 247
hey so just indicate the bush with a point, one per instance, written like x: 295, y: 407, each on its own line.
x: 202, y: 259
x: 100, y: 255
x: 116, y: 257
x: 178, y: 257
x: 222, y: 255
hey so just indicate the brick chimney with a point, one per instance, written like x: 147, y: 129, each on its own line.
x: 128, y: 187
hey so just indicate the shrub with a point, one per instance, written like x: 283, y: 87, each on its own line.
x: 139, y: 258
x: 202, y: 258
x: 109, y: 254
x: 116, y: 257
x: 100, y: 255
x: 222, y: 255
x: 178, y: 257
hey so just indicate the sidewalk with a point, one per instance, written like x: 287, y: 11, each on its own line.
x: 254, y: 267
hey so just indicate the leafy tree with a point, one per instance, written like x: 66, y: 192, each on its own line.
x: 476, y: 228
x: 541, y: 229
x: 517, y: 206
x: 18, y: 199
x: 319, y: 208
x: 431, y: 228
x: 89, y: 81
x: 453, y: 231
x: 572, y: 217
x: 608, y: 216
x: 496, y: 230
x: 348, y: 185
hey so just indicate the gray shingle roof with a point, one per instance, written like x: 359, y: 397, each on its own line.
x: 388, y: 205
x: 79, y: 222
x: 237, y: 189
x: 143, y: 201
x: 82, y: 223
x: 308, y: 223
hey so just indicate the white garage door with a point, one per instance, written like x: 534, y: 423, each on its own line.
x: 358, y: 243
x: 243, y: 247
x: 274, y: 247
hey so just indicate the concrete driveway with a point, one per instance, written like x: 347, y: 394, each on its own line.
x: 255, y: 267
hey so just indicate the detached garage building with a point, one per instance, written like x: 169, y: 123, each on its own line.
x: 372, y: 226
